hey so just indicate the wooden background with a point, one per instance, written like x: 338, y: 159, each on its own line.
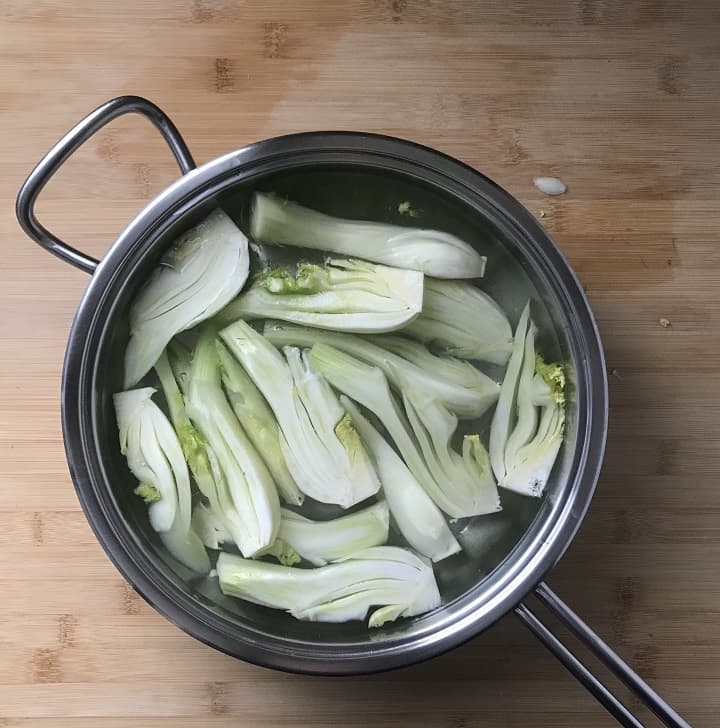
x: 620, y: 98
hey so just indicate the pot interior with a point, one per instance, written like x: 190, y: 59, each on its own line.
x: 514, y: 274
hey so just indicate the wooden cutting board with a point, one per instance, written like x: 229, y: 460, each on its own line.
x: 619, y: 99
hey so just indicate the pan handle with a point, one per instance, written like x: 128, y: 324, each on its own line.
x: 78, y: 135
x: 606, y: 655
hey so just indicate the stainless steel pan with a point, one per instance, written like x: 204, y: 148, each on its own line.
x: 507, y: 559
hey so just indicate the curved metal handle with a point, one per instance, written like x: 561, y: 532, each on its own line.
x: 78, y: 135
x: 604, y: 652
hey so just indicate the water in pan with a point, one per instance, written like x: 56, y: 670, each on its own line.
x: 364, y: 194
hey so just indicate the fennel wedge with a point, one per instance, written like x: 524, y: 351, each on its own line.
x: 462, y: 388
x: 155, y: 458
x: 344, y: 295
x: 253, y: 508
x: 463, y: 321
x: 529, y: 421
x: 417, y: 518
x: 395, y: 579
x: 204, y: 269
x: 320, y: 542
x: 321, y: 447
x: 273, y: 220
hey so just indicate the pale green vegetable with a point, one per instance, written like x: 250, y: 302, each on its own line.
x: 174, y: 369
x: 149, y: 493
x: 213, y: 533
x: 203, y: 270
x: 435, y: 253
x: 155, y: 458
x: 457, y: 371
x: 461, y: 486
x: 466, y: 479
x: 258, y: 422
x: 142, y: 438
x: 504, y: 416
x: 283, y: 552
x: 334, y: 429
x: 530, y: 468
x: 321, y: 541
x: 461, y: 387
x: 253, y: 508
x: 368, y: 386
x: 526, y: 412
x: 193, y: 446
x: 548, y: 383
x: 210, y: 527
x: 386, y: 576
x: 405, y: 208
x: 345, y: 295
x: 180, y: 358
x: 464, y: 321
x: 528, y: 432
x: 417, y: 518
x: 321, y: 447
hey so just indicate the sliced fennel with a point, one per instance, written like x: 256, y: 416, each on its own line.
x: 435, y: 253
x: 368, y: 386
x: 417, y: 518
x: 149, y: 493
x: 504, y: 416
x: 321, y: 541
x: 180, y: 358
x: 345, y: 295
x: 196, y: 451
x: 283, y: 552
x: 258, y: 422
x: 203, y: 270
x: 252, y: 509
x: 321, y: 447
x: 173, y: 368
x: 464, y: 321
x: 332, y: 424
x: 456, y: 371
x: 214, y: 534
x: 526, y: 411
x: 461, y: 387
x: 155, y: 458
x: 461, y: 486
x: 385, y: 576
x: 528, y: 425
x: 210, y: 527
x: 466, y: 479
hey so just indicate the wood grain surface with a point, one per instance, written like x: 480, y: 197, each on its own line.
x: 619, y: 99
